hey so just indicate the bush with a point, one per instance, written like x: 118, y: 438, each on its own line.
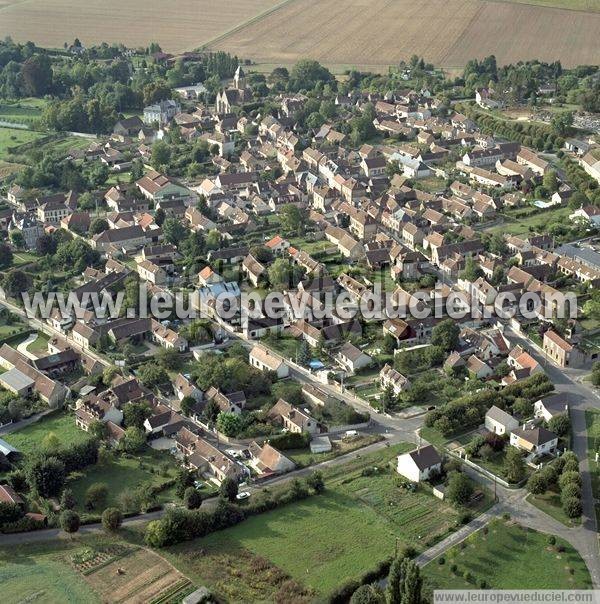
x: 69, y: 521
x: 192, y: 499
x: 569, y: 478
x: 290, y: 440
x: 111, y: 519
x: 453, y: 569
x: 551, y: 540
x: 537, y: 484
x: 482, y: 584
x: 96, y: 495
x: 441, y: 560
x: 572, y: 507
x: 468, y: 577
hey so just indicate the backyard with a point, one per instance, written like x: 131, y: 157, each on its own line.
x: 509, y: 556
x: 124, y: 474
x: 59, y: 423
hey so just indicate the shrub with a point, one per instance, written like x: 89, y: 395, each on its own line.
x: 572, y: 507
x: 569, y: 478
x: 551, y: 540
x: 468, y: 577
x: 69, y: 521
x: 483, y: 584
x: 570, y: 490
x: 192, y: 499
x: 537, y: 484
x: 453, y: 569
x: 441, y: 560
x: 96, y: 495
x: 111, y: 519
x: 290, y: 440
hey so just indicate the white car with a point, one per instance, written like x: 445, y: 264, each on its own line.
x: 242, y: 496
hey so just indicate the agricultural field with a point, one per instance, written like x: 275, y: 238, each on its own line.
x: 186, y: 25
x: 509, y: 556
x: 327, y: 539
x: 23, y: 111
x: 89, y: 569
x: 375, y: 34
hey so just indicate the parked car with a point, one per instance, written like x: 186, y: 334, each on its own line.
x: 243, y: 496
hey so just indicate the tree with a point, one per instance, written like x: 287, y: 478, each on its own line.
x: 183, y: 479
x: 67, y: 500
x: 445, y: 334
x: 393, y: 593
x: 211, y: 411
x: 159, y: 216
x: 291, y: 218
x: 111, y: 519
x: 562, y: 123
x: 161, y: 155
x: 366, y: 594
x: 6, y: 255
x: 514, y: 467
x: 537, y: 484
x: 96, y: 495
x: 560, y: 424
x: 46, y: 476
x: 315, y: 482
x: 174, y: 231
x: 186, y: 405
x: 411, y: 588
x: 134, y: 439
x: 572, y: 507
x: 17, y: 239
x: 567, y: 478
x: 472, y: 271
x: 153, y: 375
x: 229, y: 489
x: 304, y: 353
x: 229, y: 424
x: 69, y: 521
x: 550, y: 181
x: 98, y: 225
x: 459, y: 489
x: 15, y: 283
x: 136, y: 413
x: 192, y: 499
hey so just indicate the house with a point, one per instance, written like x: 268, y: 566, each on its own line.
x: 390, y: 378
x: 29, y: 227
x: 353, y: 358
x: 97, y: 409
x: 538, y: 441
x: 591, y: 163
x: 268, y: 461
x: 253, y: 270
x: 9, y: 495
x: 478, y: 368
x: 291, y: 418
x: 129, y: 126
x: 265, y: 360
x: 550, y: 406
x: 161, y: 113
x: 499, y: 421
x: 563, y: 353
x: 420, y: 464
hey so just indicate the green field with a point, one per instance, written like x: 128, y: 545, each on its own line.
x: 325, y: 540
x: 517, y: 224
x: 42, y: 574
x: 12, y: 137
x: 125, y: 474
x: 61, y: 424
x: 24, y: 111
x: 510, y: 557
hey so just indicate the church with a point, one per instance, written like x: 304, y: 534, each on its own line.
x: 237, y: 95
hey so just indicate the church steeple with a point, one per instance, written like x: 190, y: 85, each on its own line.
x: 239, y: 79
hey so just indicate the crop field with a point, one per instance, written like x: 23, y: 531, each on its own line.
x: 371, y: 34
x: 183, y: 25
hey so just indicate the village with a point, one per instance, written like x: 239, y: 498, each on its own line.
x: 401, y: 194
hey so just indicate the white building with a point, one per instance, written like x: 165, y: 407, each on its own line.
x: 499, y: 421
x: 420, y: 464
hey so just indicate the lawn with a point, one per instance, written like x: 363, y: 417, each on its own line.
x: 12, y: 137
x: 550, y: 504
x: 23, y: 111
x: 40, y: 345
x: 509, y: 557
x: 23, y: 258
x: 42, y: 573
x: 126, y: 474
x: 61, y: 424
x: 517, y: 225
x: 325, y: 540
